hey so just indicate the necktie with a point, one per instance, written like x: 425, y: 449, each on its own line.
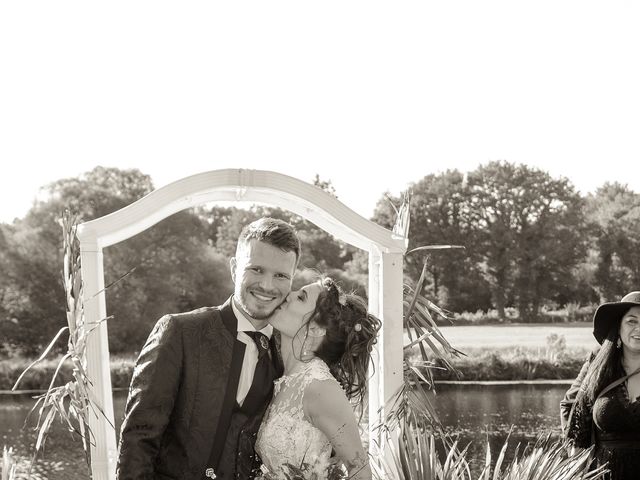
x: 262, y: 385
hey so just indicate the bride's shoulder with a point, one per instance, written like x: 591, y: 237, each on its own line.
x: 318, y: 370
x: 323, y: 398
x: 319, y: 382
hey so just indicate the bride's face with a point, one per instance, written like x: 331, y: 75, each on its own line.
x: 296, y: 310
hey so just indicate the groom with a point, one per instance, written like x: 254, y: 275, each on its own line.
x: 204, y: 378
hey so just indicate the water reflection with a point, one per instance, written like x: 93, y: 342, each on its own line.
x: 62, y: 457
x: 474, y: 413
x: 478, y: 414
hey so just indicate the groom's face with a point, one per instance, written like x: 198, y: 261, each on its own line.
x: 262, y: 275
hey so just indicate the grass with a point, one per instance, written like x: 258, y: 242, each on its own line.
x: 517, y: 352
x: 578, y: 334
x: 520, y: 363
x: 39, y: 375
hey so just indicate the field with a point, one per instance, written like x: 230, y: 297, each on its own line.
x: 524, y: 335
x: 518, y: 351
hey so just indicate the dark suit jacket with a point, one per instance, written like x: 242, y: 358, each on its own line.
x: 182, y: 395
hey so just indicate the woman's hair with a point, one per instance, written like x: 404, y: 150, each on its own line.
x: 605, y: 365
x: 602, y: 370
x: 350, y: 335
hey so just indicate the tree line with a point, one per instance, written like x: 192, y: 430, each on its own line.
x: 530, y: 241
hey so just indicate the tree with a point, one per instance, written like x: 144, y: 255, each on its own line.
x: 530, y: 232
x: 613, y: 214
x: 439, y: 215
x: 171, y: 267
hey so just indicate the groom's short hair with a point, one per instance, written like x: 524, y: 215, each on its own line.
x: 273, y: 231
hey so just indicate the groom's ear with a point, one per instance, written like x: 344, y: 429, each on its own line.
x: 232, y: 268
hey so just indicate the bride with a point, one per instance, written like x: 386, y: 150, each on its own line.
x: 310, y: 426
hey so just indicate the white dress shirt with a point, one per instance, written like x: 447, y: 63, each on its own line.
x: 250, y: 353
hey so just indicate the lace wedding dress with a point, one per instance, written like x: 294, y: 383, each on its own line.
x: 286, y: 436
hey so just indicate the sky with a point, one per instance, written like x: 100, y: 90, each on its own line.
x: 370, y: 95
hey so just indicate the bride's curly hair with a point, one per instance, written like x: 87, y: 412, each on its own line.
x: 351, y: 333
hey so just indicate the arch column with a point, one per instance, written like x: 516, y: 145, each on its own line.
x: 385, y: 301
x: 101, y: 422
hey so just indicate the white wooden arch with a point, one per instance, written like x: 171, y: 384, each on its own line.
x: 385, y: 249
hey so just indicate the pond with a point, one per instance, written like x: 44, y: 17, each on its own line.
x: 490, y: 412
x: 474, y: 412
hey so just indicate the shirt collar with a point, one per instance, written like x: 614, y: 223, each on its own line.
x: 245, y: 325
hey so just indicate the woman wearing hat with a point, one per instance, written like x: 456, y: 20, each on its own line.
x: 602, y: 407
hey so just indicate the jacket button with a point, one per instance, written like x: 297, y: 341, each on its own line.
x: 209, y: 473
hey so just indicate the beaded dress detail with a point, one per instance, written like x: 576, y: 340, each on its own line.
x: 286, y: 435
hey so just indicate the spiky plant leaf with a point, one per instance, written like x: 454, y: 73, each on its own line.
x: 41, y: 357
x: 9, y: 466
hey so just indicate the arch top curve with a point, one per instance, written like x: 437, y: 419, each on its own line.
x: 242, y: 185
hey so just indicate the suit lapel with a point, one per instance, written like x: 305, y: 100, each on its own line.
x: 276, y: 356
x: 237, y: 356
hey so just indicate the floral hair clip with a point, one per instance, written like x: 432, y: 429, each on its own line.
x: 342, y: 299
x: 357, y: 327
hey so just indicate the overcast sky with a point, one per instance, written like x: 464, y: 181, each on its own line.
x: 370, y: 95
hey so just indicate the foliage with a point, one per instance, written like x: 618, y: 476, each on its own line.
x: 320, y: 250
x: 613, y: 214
x: 523, y: 231
x: 171, y: 267
x: 527, y: 228
x: 71, y: 402
x: 34, y: 254
x: 415, y: 457
x: 571, y: 312
x: 532, y: 244
x: 509, y: 363
x: 29, y: 289
x: 440, y: 215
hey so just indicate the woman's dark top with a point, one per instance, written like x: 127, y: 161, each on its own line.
x: 617, y: 423
x: 618, y: 433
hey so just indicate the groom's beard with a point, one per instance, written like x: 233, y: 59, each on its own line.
x: 252, y: 313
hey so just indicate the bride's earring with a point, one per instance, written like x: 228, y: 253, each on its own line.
x: 305, y: 352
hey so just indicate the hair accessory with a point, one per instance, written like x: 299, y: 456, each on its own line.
x: 357, y: 327
x: 342, y: 299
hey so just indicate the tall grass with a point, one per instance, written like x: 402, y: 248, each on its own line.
x: 571, y: 312
x: 71, y: 402
x: 515, y: 363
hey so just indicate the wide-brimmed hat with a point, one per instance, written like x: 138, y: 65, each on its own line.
x: 609, y: 313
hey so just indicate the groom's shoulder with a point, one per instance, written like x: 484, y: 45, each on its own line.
x: 195, y: 318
